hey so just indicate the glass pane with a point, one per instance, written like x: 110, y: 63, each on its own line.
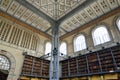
x: 100, y: 35
x: 4, y: 63
x: 79, y: 43
x: 63, y: 48
x: 48, y: 48
x: 118, y: 23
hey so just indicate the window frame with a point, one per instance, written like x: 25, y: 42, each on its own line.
x: 108, y: 31
x: 66, y: 48
x: 45, y: 47
x: 75, y: 40
x: 5, y: 62
x: 116, y: 22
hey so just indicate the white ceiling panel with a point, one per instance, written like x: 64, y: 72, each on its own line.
x: 85, y: 16
x: 104, y: 5
x: 62, y: 32
x: 113, y: 3
x: 26, y: 15
x: 90, y: 12
x: 31, y: 18
x: 5, y: 4
x: 20, y: 11
x: 13, y: 7
x: 97, y: 9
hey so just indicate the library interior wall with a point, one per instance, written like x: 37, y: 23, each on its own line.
x: 109, y: 22
x: 17, y: 52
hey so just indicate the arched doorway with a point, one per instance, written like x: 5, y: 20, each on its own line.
x: 7, y: 65
x: 4, y: 67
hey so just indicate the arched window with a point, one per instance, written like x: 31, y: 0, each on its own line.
x: 48, y: 47
x: 79, y: 43
x: 100, y: 35
x: 4, y: 63
x: 63, y: 48
x: 118, y: 23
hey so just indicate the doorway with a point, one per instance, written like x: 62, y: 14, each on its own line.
x: 4, y: 67
x: 3, y: 74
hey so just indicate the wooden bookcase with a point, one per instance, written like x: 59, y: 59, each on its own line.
x: 82, y: 64
x: 35, y: 67
x: 93, y: 63
x: 98, y: 62
x: 65, y: 69
x: 27, y: 66
x: 106, y: 60
x: 45, y: 68
x: 73, y: 66
x: 116, y: 53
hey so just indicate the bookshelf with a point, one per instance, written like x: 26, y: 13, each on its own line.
x: 65, y: 69
x: 116, y: 53
x: 99, y: 62
x: 28, y: 64
x: 93, y: 63
x: 106, y: 60
x: 73, y: 66
x: 45, y: 68
x: 82, y: 64
x: 35, y: 67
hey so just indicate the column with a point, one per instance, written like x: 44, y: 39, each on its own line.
x: 54, y: 64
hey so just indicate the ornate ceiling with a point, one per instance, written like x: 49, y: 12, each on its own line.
x: 71, y: 14
x: 56, y: 8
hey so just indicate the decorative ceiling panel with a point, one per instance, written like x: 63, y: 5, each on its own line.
x: 97, y: 9
x: 26, y: 15
x: 31, y: 18
x: 20, y: 11
x: 104, y: 5
x: 13, y: 7
x: 55, y: 8
x: 113, y: 3
x: 5, y: 4
x: 89, y: 13
x: 62, y: 32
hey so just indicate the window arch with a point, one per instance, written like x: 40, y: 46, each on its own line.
x: 118, y: 23
x: 4, y: 63
x: 48, y: 47
x: 63, y: 48
x: 100, y: 35
x: 79, y: 43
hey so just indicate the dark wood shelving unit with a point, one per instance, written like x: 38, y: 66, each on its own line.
x: 65, y: 69
x: 35, y: 67
x: 28, y: 64
x: 106, y: 60
x: 93, y: 63
x: 116, y: 53
x: 98, y: 62
x: 82, y: 65
x: 73, y: 66
x: 45, y: 68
